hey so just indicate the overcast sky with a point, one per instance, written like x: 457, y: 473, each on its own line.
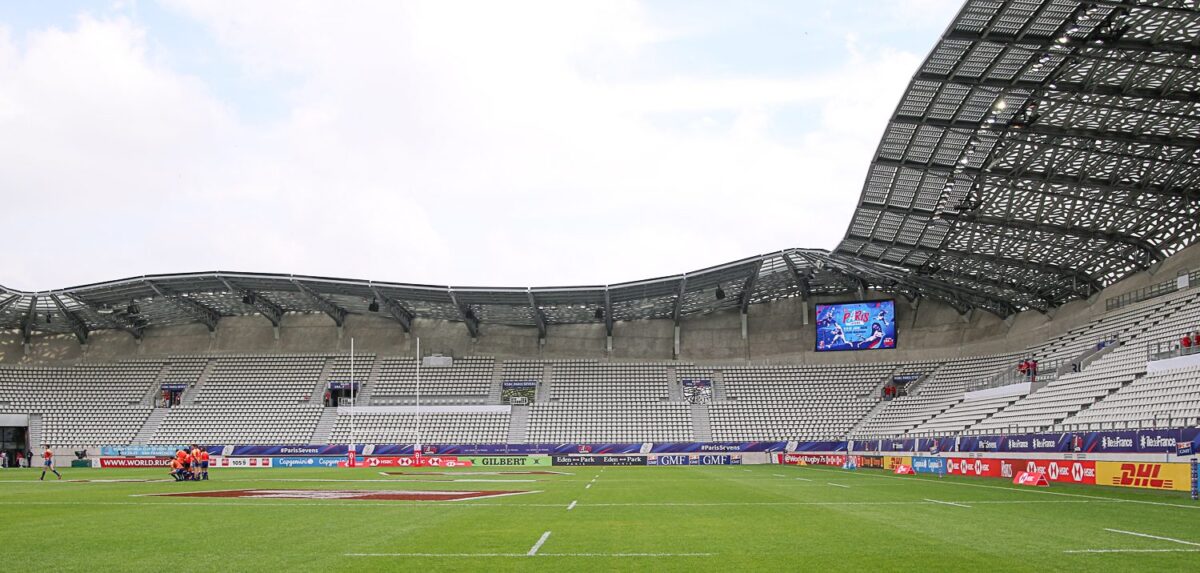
x: 490, y: 143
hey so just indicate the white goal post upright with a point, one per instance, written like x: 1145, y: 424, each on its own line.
x: 417, y: 445
x: 352, y: 395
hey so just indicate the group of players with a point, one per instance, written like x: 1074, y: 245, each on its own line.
x: 190, y: 464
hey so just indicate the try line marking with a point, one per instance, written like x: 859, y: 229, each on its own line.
x: 533, y: 550
x: 947, y: 503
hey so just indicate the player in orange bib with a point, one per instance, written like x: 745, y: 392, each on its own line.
x: 177, y: 469
x: 204, y: 465
x: 195, y: 461
x: 48, y: 464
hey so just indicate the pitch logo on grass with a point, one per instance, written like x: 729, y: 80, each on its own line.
x: 342, y: 494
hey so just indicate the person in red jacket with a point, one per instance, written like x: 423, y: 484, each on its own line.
x: 48, y: 464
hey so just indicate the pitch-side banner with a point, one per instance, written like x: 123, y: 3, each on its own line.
x: 1064, y: 471
x: 135, y: 462
x: 693, y: 460
x: 814, y: 459
x: 530, y: 449
x: 1165, y: 476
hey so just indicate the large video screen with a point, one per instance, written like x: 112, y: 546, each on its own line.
x: 864, y: 325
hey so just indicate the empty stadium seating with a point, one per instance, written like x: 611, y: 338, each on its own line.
x: 463, y: 425
x: 274, y: 398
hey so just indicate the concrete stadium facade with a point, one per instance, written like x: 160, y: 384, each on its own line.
x: 778, y: 332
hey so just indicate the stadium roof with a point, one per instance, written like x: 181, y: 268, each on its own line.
x: 1043, y: 151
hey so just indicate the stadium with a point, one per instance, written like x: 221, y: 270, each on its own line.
x: 997, y: 367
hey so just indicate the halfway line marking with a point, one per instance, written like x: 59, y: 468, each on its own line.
x: 533, y: 550
x: 1153, y: 537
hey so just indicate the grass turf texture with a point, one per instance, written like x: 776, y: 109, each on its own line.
x: 782, y: 518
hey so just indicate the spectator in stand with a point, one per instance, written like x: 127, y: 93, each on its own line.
x: 3, y: 460
x: 1196, y: 338
x: 20, y: 460
x: 1033, y: 366
x: 1185, y: 342
x: 1023, y: 368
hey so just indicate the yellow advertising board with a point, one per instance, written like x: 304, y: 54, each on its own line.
x: 1168, y: 476
x: 890, y: 462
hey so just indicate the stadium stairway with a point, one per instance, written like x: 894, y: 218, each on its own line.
x: 366, y: 391
x: 718, y: 383
x: 701, y: 423
x: 543, y: 391
x: 674, y: 386
x: 494, y: 391
x: 325, y: 426
x: 35, y: 431
x: 318, y: 394
x: 875, y: 410
x: 151, y: 426
x: 156, y: 388
x: 189, y: 395
x: 518, y: 425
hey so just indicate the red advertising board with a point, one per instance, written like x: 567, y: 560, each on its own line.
x: 135, y: 462
x: 1031, y: 479
x: 903, y: 470
x: 407, y: 462
x: 1065, y: 471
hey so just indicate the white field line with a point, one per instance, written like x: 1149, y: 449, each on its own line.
x: 1132, y: 551
x: 838, y: 485
x: 528, y: 555
x: 1027, y: 490
x: 236, y: 503
x: 1147, y: 535
x: 572, y: 506
x: 779, y: 475
x: 947, y: 503
x: 588, y: 486
x: 803, y: 479
x: 541, y: 540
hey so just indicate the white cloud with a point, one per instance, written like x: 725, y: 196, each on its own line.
x: 463, y: 143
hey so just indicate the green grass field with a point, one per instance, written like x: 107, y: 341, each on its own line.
x: 749, y: 518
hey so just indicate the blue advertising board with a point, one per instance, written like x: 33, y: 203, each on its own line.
x: 928, y: 465
x: 868, y: 325
x: 309, y: 462
x: 693, y: 460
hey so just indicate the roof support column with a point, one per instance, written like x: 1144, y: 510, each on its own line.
x: 77, y: 326
x: 468, y: 316
x: 268, y: 309
x: 540, y: 317
x: 747, y: 295
x: 608, y: 319
x: 802, y: 282
x: 678, y: 311
x: 27, y: 324
x: 398, y: 312
x: 337, y: 313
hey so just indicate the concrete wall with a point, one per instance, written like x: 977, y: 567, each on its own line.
x: 775, y: 333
